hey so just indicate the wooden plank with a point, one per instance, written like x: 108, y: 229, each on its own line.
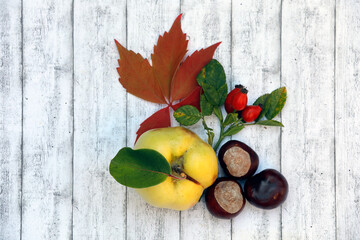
x: 48, y: 120
x: 10, y: 119
x: 347, y: 127
x: 100, y: 119
x: 256, y: 65
x: 207, y: 22
x: 146, y: 20
x: 308, y: 141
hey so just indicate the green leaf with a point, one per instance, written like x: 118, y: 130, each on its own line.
x: 270, y: 123
x: 201, y: 77
x: 211, y: 136
x: 230, y: 118
x: 139, y: 168
x: 275, y: 102
x: 218, y: 113
x: 205, y: 126
x: 222, y: 92
x: 206, y: 107
x: 261, y: 101
x: 213, y: 73
x: 233, y: 130
x: 212, y: 79
x: 187, y: 115
x: 211, y: 94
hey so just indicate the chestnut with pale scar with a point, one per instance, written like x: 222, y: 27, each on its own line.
x: 224, y: 199
x: 227, y: 195
x: 238, y: 159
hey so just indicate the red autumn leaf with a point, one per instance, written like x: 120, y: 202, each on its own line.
x: 137, y: 77
x: 166, y: 80
x: 185, y: 78
x: 168, y: 53
x: 193, y: 99
x: 159, y: 119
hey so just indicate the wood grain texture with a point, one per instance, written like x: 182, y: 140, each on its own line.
x: 48, y: 120
x: 10, y: 119
x: 256, y: 65
x: 308, y: 143
x: 347, y: 129
x: 207, y: 22
x: 146, y: 20
x: 100, y: 119
x: 61, y: 103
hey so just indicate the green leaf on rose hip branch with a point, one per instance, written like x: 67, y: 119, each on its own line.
x: 206, y: 107
x: 274, y: 103
x: 212, y: 80
x: 211, y: 136
x: 218, y: 113
x: 261, y: 101
x: 222, y: 91
x: 213, y: 74
x: 211, y: 94
x: 270, y: 123
x: 233, y: 130
x: 230, y: 118
x: 206, y: 126
x: 187, y: 115
x: 139, y: 168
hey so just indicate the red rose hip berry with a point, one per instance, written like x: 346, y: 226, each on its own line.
x: 251, y: 113
x: 228, y: 101
x: 239, y: 100
x: 230, y: 98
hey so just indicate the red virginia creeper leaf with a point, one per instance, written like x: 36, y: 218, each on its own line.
x: 137, y: 77
x: 185, y: 78
x: 159, y: 119
x: 166, y: 81
x: 168, y: 53
x: 193, y: 99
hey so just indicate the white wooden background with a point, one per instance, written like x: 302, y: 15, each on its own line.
x: 63, y: 115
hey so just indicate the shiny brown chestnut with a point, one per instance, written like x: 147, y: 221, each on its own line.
x: 238, y: 159
x: 267, y: 189
x: 225, y: 198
